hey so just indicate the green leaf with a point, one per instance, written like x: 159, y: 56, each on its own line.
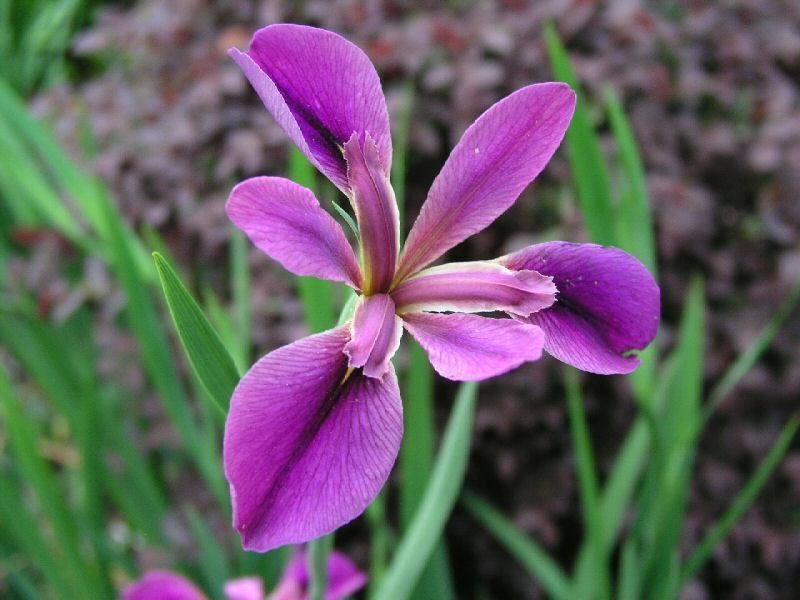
x: 400, y: 153
x: 24, y: 435
x: 380, y: 542
x: 447, y: 476
x: 318, y: 552
x: 157, y: 356
x: 213, y: 562
x: 316, y: 295
x: 210, y: 360
x: 417, y: 450
x: 661, y: 512
x: 594, y: 527
x: 745, y: 361
x: 634, y: 221
x: 240, y: 288
x: 532, y: 557
x: 416, y: 462
x: 589, y: 171
x: 742, y: 501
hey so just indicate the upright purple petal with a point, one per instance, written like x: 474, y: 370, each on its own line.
x: 376, y: 331
x: 245, y: 588
x: 474, y: 287
x: 607, y: 304
x: 162, y: 585
x: 344, y: 578
x: 321, y: 89
x: 376, y: 210
x: 498, y: 156
x: 466, y: 347
x: 308, y: 443
x: 285, y: 221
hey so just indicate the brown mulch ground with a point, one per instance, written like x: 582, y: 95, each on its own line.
x: 713, y: 91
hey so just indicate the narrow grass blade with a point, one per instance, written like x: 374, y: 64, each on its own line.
x: 240, y: 288
x: 629, y: 579
x: 318, y: 552
x: 742, y: 501
x: 24, y: 530
x: 447, y: 476
x: 210, y: 360
x: 157, y: 355
x: 745, y: 361
x: 634, y: 224
x: 400, y: 152
x: 381, y: 542
x: 594, y: 528
x: 212, y: 559
x: 532, y: 557
x: 25, y: 437
x: 417, y: 450
x: 316, y: 295
x: 589, y: 171
x: 662, y: 514
x: 634, y: 221
x: 625, y: 474
x: 87, y: 192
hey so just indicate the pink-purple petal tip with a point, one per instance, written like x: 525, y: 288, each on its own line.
x: 607, y: 305
x: 162, y: 585
x: 321, y: 89
x: 497, y: 157
x: 285, y: 221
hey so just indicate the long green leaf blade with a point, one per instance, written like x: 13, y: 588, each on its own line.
x: 210, y: 360
x: 589, y: 171
x: 742, y: 501
x: 532, y: 557
x: 418, y: 543
x: 587, y: 484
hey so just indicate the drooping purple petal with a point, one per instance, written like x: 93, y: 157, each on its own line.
x: 285, y: 221
x: 474, y: 287
x: 498, y: 156
x: 376, y: 210
x: 466, y: 347
x: 162, y: 585
x: 344, y: 578
x: 375, y: 337
x: 607, y: 304
x: 245, y: 588
x: 321, y: 89
x: 308, y: 443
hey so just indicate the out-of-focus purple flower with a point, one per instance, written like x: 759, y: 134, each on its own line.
x: 344, y: 579
x: 162, y: 585
x: 314, y: 427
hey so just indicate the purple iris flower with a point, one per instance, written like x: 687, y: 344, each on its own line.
x: 314, y: 427
x: 344, y: 579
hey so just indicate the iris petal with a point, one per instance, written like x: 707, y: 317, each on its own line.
x: 306, y: 449
x: 607, y: 305
x: 376, y: 211
x: 497, y: 157
x: 285, y: 221
x: 466, y: 347
x: 321, y: 89
x: 475, y: 287
x: 376, y: 332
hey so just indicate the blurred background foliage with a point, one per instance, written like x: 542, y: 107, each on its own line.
x: 122, y: 128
